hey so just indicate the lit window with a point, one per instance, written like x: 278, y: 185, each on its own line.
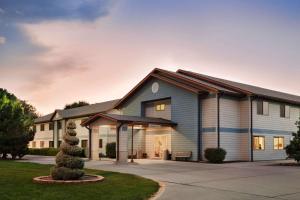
x: 33, y: 144
x: 278, y: 143
x: 42, y: 143
x: 83, y: 143
x: 160, y: 107
x: 259, y: 143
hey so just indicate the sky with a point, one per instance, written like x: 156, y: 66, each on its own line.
x: 54, y: 52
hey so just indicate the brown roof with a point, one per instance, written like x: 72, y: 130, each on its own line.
x: 130, y: 119
x: 254, y: 90
x: 199, y: 83
x: 88, y: 110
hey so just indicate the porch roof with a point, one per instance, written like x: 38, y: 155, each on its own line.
x: 129, y: 119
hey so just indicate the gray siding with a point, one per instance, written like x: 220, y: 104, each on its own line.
x: 184, y: 111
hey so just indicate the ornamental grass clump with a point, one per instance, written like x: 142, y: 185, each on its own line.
x: 68, y: 163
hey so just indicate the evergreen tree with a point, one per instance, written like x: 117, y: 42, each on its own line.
x: 68, y: 163
x: 293, y: 149
x: 15, y: 126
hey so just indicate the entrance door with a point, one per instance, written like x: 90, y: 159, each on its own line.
x: 160, y: 145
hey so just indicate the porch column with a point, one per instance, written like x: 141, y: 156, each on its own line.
x: 95, y: 144
x: 123, y: 145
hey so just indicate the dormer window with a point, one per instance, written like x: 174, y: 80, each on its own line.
x: 160, y: 107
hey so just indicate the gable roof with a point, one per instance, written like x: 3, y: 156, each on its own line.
x: 250, y: 89
x: 199, y: 83
x: 79, y: 111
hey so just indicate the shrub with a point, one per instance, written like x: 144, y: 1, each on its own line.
x: 44, y: 151
x: 68, y: 165
x: 215, y: 155
x: 111, y: 150
x: 293, y: 149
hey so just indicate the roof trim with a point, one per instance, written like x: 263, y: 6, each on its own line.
x: 227, y: 86
x: 167, y: 76
x: 129, y: 121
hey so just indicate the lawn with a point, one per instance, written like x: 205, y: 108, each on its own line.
x: 16, y: 183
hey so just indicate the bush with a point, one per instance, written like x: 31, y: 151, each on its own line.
x: 111, y: 150
x: 293, y: 149
x: 44, y: 151
x: 51, y: 152
x: 215, y: 155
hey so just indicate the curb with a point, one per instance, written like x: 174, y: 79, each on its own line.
x: 162, y: 188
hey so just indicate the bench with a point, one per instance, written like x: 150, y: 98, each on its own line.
x: 183, y: 155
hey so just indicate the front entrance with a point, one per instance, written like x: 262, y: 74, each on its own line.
x: 160, y: 145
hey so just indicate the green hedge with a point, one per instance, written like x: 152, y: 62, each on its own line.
x: 48, y: 152
x: 44, y: 151
x: 111, y: 150
x: 215, y: 155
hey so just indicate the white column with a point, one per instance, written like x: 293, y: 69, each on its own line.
x: 95, y: 143
x: 123, y: 145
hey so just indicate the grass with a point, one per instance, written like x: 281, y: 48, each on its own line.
x: 16, y: 183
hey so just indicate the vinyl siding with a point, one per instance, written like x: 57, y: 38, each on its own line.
x: 235, y: 142
x: 273, y: 125
x: 184, y: 111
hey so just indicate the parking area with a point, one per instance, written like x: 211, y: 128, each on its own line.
x: 187, y: 180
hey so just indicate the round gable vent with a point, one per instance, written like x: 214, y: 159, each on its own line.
x: 155, y: 87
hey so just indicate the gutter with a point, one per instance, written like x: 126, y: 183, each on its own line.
x: 218, y: 118
x: 251, y: 128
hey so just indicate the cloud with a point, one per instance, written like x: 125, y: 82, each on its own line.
x: 37, y: 10
x: 2, y: 40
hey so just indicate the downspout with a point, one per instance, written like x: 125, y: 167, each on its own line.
x: 218, y: 119
x: 251, y: 127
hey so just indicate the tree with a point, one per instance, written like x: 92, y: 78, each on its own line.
x: 76, y: 105
x: 68, y: 163
x: 16, y: 123
x: 293, y: 149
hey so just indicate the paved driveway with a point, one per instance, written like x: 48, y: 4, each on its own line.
x: 203, y: 181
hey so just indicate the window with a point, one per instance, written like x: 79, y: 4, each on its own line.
x: 34, y: 128
x: 160, y: 107
x: 51, y: 126
x: 278, y: 143
x: 59, y: 143
x: 284, y: 111
x: 259, y: 143
x: 51, y: 144
x: 262, y: 108
x: 42, y: 127
x: 100, y: 143
x: 59, y: 124
x: 42, y: 144
x: 33, y: 144
x: 83, y: 143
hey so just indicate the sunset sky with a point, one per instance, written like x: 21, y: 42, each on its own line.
x: 54, y: 52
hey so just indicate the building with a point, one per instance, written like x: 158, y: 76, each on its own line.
x: 51, y: 127
x: 188, y: 112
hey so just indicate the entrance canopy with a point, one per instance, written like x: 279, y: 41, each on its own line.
x: 126, y: 119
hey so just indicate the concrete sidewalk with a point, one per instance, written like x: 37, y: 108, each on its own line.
x: 186, y: 180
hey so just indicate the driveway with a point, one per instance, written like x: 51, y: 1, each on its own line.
x: 186, y: 180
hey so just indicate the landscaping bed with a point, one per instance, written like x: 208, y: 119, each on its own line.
x: 16, y: 183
